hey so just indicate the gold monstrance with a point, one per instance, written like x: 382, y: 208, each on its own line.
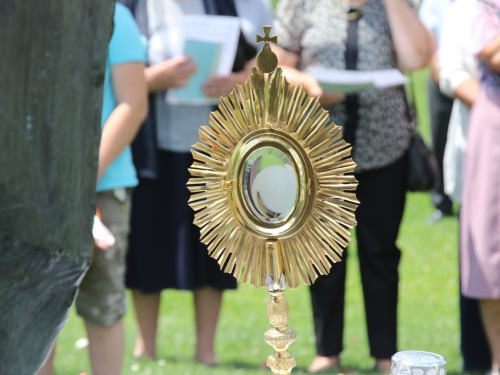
x: 273, y: 190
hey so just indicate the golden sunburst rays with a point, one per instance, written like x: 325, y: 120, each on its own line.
x: 324, y: 234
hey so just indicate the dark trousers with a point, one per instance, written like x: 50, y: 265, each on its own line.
x: 440, y: 111
x: 382, y: 194
x: 473, y: 342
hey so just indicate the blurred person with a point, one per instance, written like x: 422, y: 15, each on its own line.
x: 164, y: 245
x: 432, y: 13
x: 480, y: 212
x: 458, y: 80
x: 360, y: 35
x: 254, y: 14
x: 101, y: 297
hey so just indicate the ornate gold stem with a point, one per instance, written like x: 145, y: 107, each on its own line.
x: 280, y: 336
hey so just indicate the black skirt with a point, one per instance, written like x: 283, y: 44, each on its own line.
x: 164, y: 245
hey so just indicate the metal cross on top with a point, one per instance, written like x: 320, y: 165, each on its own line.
x: 267, y: 61
x: 266, y: 38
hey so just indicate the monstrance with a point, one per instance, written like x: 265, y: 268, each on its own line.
x: 273, y: 190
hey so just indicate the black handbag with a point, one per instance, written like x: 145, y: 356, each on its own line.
x: 423, y: 172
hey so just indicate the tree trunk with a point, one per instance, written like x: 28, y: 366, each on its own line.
x: 52, y: 61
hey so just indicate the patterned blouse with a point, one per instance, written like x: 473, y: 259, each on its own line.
x: 317, y: 31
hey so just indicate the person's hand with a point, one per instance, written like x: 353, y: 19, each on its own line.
x: 170, y: 73
x: 103, y: 238
x: 313, y: 88
x: 330, y: 98
x: 218, y: 86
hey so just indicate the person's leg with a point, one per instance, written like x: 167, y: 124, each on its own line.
x: 207, y: 303
x: 106, y: 348
x: 149, y: 268
x: 327, y: 298
x: 382, y: 194
x: 48, y: 366
x: 490, y: 313
x: 146, y: 308
x: 101, y: 300
x: 440, y: 107
x: 473, y: 342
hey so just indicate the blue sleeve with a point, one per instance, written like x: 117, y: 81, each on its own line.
x: 127, y: 44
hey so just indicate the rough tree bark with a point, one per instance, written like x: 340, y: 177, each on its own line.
x: 52, y: 60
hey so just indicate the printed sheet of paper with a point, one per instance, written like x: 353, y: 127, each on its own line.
x: 212, y: 42
x: 351, y: 81
x: 206, y: 56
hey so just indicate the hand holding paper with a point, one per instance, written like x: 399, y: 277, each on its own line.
x: 218, y: 86
x: 171, y: 73
x: 351, y: 81
x: 206, y: 56
x: 330, y: 98
x: 313, y: 88
x: 211, y: 41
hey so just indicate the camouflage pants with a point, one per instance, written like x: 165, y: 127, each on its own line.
x: 101, y: 298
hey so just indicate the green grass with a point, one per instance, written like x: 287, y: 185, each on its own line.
x: 417, y: 94
x: 428, y: 310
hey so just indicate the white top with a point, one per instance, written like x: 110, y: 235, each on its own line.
x: 456, y: 60
x: 457, y: 64
x: 432, y: 14
x: 177, y: 126
x: 254, y: 14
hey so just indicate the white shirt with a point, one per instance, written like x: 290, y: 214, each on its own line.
x: 456, y: 60
x: 177, y: 126
x: 432, y: 14
x: 457, y: 64
x: 254, y: 14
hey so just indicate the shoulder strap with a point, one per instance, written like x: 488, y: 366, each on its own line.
x: 410, y: 109
x: 220, y: 7
x: 351, y: 101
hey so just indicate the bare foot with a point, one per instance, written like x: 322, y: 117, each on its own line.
x: 141, y: 355
x: 206, y: 359
x: 321, y: 363
x: 141, y: 352
x: 383, y: 366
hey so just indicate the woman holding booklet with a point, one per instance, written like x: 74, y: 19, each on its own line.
x: 363, y: 35
x: 164, y: 246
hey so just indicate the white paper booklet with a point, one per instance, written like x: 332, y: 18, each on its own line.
x: 351, y: 81
x: 212, y: 42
